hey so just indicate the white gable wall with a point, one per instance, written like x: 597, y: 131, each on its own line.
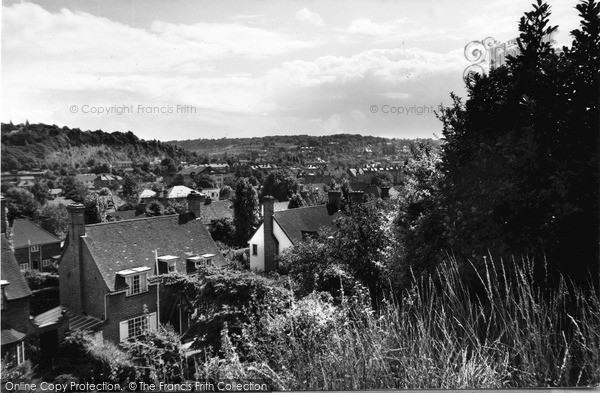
x: 257, y: 262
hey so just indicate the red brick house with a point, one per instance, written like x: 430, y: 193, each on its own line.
x: 15, y: 297
x: 34, y: 247
x: 107, y: 271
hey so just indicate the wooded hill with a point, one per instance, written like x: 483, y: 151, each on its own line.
x: 29, y: 146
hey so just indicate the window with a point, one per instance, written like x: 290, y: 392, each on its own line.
x: 34, y: 248
x: 21, y: 352
x: 137, y: 283
x: 208, y: 259
x: 46, y: 262
x: 136, y: 326
x: 2, y: 301
x: 167, y: 264
x: 24, y: 266
x: 255, y: 249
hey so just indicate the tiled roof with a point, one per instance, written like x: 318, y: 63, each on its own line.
x: 17, y: 287
x: 85, y: 177
x: 127, y: 244
x: 178, y: 192
x: 217, y: 210
x: 311, y: 219
x: 147, y: 193
x: 9, y: 336
x: 25, y: 232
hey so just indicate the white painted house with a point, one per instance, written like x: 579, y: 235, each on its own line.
x: 283, y: 229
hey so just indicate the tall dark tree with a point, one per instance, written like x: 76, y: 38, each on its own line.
x: 130, y: 186
x: 520, y: 158
x: 245, y: 210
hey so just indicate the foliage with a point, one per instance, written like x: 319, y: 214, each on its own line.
x: 20, y: 204
x: 38, y: 280
x: 221, y: 296
x: 41, y: 192
x: 155, y: 208
x: 520, y: 161
x: 296, y: 201
x: 99, y: 360
x: 222, y: 230
x: 29, y: 146
x: 95, y: 209
x: 159, y: 354
x: 74, y: 189
x: 418, y: 227
x: 226, y: 192
x: 55, y: 219
x: 440, y: 335
x: 130, y: 186
x: 280, y: 184
x: 245, y: 210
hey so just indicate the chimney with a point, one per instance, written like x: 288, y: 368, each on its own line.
x: 195, y: 202
x: 334, y: 203
x: 385, y: 192
x: 3, y: 212
x: 71, y: 266
x: 334, y: 197
x: 357, y: 197
x: 269, y: 238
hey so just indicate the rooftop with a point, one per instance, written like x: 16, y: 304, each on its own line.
x: 125, y: 245
x: 25, y: 233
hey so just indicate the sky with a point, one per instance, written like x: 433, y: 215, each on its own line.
x: 186, y: 69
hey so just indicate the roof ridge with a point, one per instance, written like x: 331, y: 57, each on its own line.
x: 131, y: 219
x: 38, y: 227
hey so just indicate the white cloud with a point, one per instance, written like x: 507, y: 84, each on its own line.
x: 306, y: 15
x: 393, y: 66
x: 367, y: 27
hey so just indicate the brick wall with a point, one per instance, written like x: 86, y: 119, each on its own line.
x: 16, y: 315
x: 94, y: 287
x: 122, y: 307
x: 46, y: 251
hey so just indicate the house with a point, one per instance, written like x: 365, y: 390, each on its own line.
x: 108, y: 180
x: 212, y: 193
x: 14, y: 301
x: 35, y: 248
x: 178, y: 192
x: 15, y: 307
x: 55, y: 193
x: 108, y: 271
x: 86, y: 178
x: 286, y: 228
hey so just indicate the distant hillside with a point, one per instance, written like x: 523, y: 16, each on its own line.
x: 273, y: 146
x: 28, y: 146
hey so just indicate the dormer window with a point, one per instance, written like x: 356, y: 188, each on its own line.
x: 207, y: 259
x: 167, y: 264
x: 136, y: 280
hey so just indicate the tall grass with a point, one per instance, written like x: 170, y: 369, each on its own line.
x: 442, y: 334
